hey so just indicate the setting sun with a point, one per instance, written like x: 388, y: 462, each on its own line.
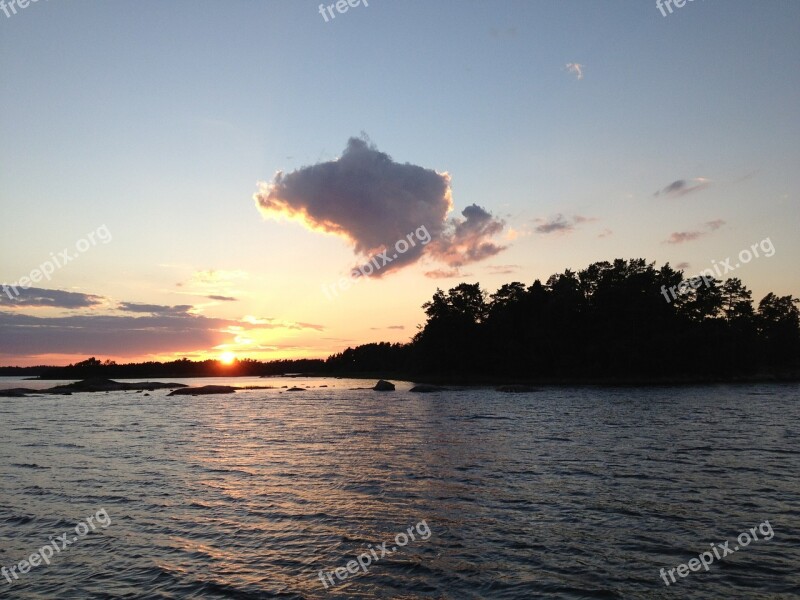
x: 227, y: 358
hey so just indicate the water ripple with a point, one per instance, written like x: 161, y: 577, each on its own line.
x: 566, y: 494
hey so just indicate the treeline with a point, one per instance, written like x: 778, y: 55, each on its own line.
x: 610, y: 321
x: 178, y: 368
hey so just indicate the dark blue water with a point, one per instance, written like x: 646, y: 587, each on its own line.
x: 565, y: 493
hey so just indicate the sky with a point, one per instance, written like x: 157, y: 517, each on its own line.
x: 200, y: 179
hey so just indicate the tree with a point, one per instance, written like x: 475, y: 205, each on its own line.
x: 779, y: 326
x: 737, y: 300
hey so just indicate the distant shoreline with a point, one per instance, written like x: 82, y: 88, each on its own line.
x: 447, y: 380
x: 566, y: 382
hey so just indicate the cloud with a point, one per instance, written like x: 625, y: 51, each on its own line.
x: 215, y: 276
x: 301, y: 325
x: 560, y: 224
x: 681, y: 187
x: 513, y: 234
x: 557, y: 223
x: 465, y: 241
x: 373, y: 202
x: 215, y: 284
x: 124, y: 335
x: 155, y: 309
x: 680, y: 237
x: 682, y: 265
x: 605, y: 233
x: 502, y: 269
x: 270, y: 323
x: 148, y: 329
x: 213, y: 281
x: 107, y: 334
x: 445, y: 273
x: 36, y: 297
x: 576, y: 69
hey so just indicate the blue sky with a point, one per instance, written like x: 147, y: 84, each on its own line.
x: 158, y: 120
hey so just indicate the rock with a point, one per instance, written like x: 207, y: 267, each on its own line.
x: 16, y: 392
x: 296, y: 389
x: 384, y: 386
x: 424, y: 388
x: 97, y: 384
x: 516, y: 389
x: 203, y: 390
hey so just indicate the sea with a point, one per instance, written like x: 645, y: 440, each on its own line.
x: 338, y: 491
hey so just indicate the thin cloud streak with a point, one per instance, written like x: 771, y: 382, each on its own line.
x: 682, y: 187
x: 681, y: 237
x: 561, y: 224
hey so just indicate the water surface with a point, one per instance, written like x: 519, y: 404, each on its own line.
x: 565, y: 493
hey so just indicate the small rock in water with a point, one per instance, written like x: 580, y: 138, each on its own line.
x: 203, y: 390
x: 384, y: 386
x: 424, y: 388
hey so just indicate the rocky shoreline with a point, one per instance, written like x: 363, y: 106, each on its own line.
x: 91, y: 385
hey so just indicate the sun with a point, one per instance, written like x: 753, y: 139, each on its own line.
x: 227, y: 358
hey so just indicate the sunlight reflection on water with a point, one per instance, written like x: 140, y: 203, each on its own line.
x: 564, y: 493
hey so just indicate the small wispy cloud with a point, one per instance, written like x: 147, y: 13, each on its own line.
x: 576, y: 69
x: 560, y: 224
x: 502, y: 269
x: 554, y: 224
x: 513, y: 234
x: 270, y: 323
x: 682, y: 187
x: 445, y: 273
x: 680, y: 237
x: 215, y: 284
x: 215, y: 276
